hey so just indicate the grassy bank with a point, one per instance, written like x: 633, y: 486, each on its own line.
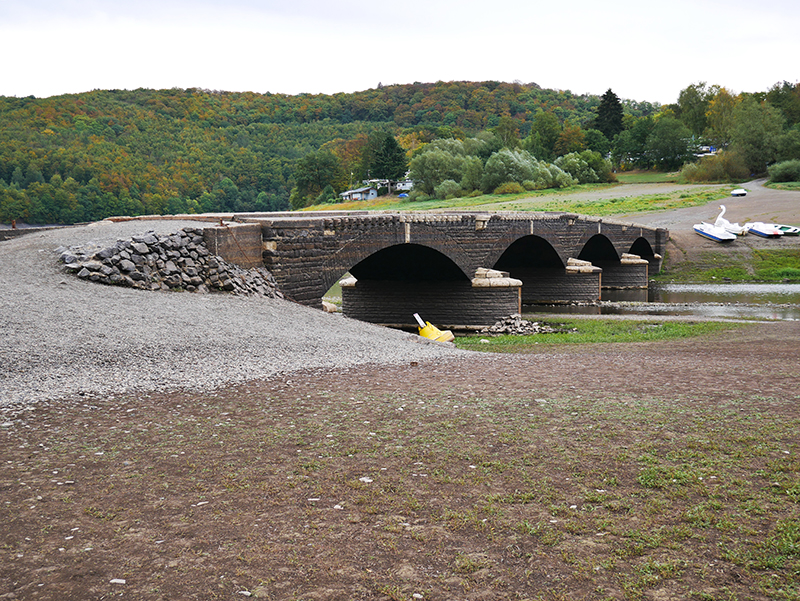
x: 587, y: 331
x: 746, y: 265
x: 574, y: 200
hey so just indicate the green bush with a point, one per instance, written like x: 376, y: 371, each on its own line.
x: 723, y: 167
x: 587, y: 167
x: 574, y: 164
x: 447, y: 189
x: 507, y: 166
x: 787, y: 171
x: 547, y: 175
x: 509, y: 188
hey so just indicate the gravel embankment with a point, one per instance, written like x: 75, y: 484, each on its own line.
x: 62, y: 337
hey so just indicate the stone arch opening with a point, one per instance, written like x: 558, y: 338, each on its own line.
x: 529, y: 252
x: 599, y: 250
x: 545, y: 279
x: 626, y: 272
x: 391, y: 285
x: 642, y: 248
x: 408, y: 263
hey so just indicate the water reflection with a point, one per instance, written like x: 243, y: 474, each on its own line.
x: 728, y: 301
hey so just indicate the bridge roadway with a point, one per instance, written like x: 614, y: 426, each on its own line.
x: 309, y: 252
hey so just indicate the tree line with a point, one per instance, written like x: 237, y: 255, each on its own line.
x: 733, y: 136
x: 84, y: 157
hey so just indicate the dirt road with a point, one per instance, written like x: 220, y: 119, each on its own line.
x: 760, y: 204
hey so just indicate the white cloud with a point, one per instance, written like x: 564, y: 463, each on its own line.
x: 640, y: 51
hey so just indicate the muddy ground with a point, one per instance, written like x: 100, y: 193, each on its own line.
x: 487, y: 477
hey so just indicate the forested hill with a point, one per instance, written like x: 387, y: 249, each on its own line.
x: 84, y: 157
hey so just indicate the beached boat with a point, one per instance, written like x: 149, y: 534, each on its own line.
x: 787, y: 230
x: 765, y: 230
x: 713, y: 232
x: 428, y: 330
x: 733, y: 228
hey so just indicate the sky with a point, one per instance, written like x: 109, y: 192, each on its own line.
x: 642, y: 50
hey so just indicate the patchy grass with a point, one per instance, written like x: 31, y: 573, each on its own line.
x: 593, y: 331
x: 794, y: 186
x: 568, y: 200
x: 330, y: 488
x: 755, y: 264
x: 648, y: 177
x: 640, y: 204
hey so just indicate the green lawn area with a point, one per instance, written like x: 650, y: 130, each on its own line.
x: 648, y: 177
x: 567, y: 200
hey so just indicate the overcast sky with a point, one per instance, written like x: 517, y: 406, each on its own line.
x: 643, y: 50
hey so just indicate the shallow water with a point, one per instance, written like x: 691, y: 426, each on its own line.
x: 727, y: 301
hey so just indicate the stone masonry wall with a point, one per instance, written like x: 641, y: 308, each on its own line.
x: 447, y: 304
x: 630, y: 272
x: 558, y: 285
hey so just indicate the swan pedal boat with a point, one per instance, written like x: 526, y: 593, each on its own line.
x: 733, y: 228
x: 714, y: 232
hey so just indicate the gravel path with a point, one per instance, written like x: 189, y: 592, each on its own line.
x: 63, y: 337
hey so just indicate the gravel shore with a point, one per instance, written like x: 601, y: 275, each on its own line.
x: 64, y: 337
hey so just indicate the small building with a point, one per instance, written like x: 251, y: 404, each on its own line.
x: 405, y: 185
x: 366, y: 193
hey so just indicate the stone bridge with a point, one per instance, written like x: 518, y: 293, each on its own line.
x: 454, y: 268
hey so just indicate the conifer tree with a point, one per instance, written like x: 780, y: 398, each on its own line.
x: 390, y: 160
x: 609, y: 115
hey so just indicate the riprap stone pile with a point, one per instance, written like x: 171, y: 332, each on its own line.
x: 179, y: 261
x: 515, y: 325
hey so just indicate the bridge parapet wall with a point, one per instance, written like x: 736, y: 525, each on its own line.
x: 238, y: 243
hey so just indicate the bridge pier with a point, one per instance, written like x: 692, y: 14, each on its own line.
x: 579, y: 282
x: 488, y: 297
x: 630, y: 272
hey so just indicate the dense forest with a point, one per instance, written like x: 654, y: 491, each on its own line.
x: 84, y: 157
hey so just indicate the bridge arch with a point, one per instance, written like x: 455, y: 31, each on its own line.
x: 516, y: 231
x: 619, y: 271
x: 529, y: 251
x: 642, y: 247
x: 380, y: 255
x: 599, y: 249
x: 408, y: 263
